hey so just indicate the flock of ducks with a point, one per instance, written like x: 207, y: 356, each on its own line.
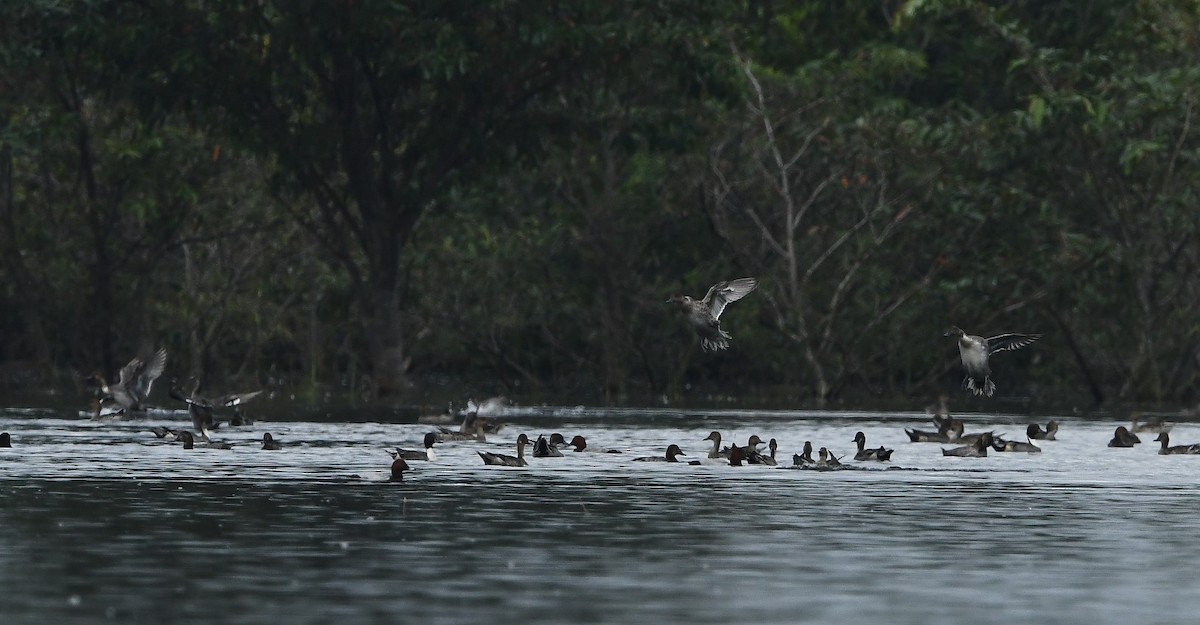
x: 137, y: 378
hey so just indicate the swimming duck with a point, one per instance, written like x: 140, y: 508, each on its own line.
x: 1036, y: 433
x: 189, y: 442
x: 445, y: 434
x: 999, y: 444
x: 673, y: 451
x: 5, y: 439
x: 825, y: 458
x: 1177, y: 449
x: 399, y: 466
x: 580, y: 444
x: 863, y: 453
x: 805, y: 457
x: 270, y: 443
x: 137, y: 378
x: 977, y: 449
x: 1122, y: 437
x: 736, y: 456
x: 974, y: 352
x: 750, y: 449
x: 949, y: 435
x: 716, y: 451
x: 1152, y: 424
x: 756, y: 457
x: 704, y: 315
x: 424, y: 454
x: 544, y: 448
x: 508, y: 461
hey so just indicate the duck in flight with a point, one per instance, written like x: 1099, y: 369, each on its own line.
x: 975, y: 351
x: 704, y: 315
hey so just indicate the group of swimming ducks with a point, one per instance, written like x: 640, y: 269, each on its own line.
x: 950, y: 430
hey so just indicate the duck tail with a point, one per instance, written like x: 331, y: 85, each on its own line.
x: 721, y: 341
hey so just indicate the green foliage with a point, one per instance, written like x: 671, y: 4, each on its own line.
x: 332, y: 194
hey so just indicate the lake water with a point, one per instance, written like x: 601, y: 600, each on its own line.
x: 104, y: 522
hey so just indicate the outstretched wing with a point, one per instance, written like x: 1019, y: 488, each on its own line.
x: 1006, y: 342
x: 150, y: 372
x: 722, y: 293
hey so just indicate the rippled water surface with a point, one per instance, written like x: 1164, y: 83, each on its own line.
x: 102, y: 521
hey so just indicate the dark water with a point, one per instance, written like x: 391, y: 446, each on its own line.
x: 103, y: 522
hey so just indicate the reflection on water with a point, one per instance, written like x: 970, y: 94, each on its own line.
x: 106, y: 521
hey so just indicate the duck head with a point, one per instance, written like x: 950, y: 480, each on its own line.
x: 954, y: 331
x: 399, y: 466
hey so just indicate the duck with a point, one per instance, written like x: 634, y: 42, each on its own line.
x: 736, y: 456
x: 999, y: 444
x: 5, y: 439
x: 949, y: 435
x: 548, y: 448
x: 199, y: 408
x: 476, y: 434
x: 673, y: 451
x: 422, y: 454
x: 189, y: 442
x: 716, y: 451
x: 825, y: 458
x: 508, y: 461
x: 399, y: 466
x: 580, y: 444
x: 1122, y: 437
x: 974, y: 352
x: 969, y: 439
x: 704, y: 315
x: 1165, y: 450
x: 1152, y: 424
x: 750, y: 450
x: 863, y: 453
x: 136, y: 380
x: 235, y: 401
x: 977, y: 449
x: 1036, y: 433
x: 805, y: 457
x: 767, y: 459
x: 270, y: 443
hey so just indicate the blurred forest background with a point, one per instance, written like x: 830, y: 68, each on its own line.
x: 387, y: 198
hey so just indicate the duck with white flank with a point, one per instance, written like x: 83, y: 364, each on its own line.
x: 418, y: 454
x: 999, y: 444
x: 704, y: 315
x: 508, y: 461
x: 974, y: 352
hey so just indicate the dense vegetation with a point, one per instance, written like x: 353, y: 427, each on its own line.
x: 381, y: 196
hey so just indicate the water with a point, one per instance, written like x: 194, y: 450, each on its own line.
x: 106, y: 522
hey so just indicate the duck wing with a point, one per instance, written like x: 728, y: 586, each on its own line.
x: 139, y: 375
x: 722, y: 293
x: 1007, y: 342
